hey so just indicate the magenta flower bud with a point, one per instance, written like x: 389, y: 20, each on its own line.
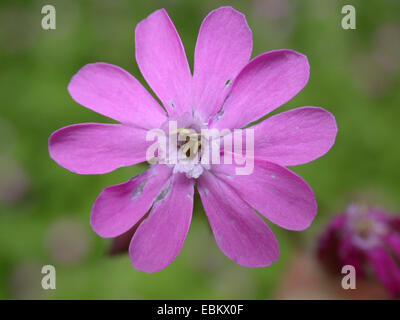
x: 368, y: 239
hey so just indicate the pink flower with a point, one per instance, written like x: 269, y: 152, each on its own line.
x: 364, y: 238
x: 225, y: 91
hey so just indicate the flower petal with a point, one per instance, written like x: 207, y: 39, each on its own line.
x: 295, y: 137
x: 386, y: 269
x: 95, y: 148
x: 276, y: 192
x: 393, y: 240
x: 266, y: 83
x: 241, y: 233
x: 160, y: 237
x: 349, y: 254
x: 162, y: 60
x: 113, y: 92
x: 395, y: 223
x: 223, y: 48
x: 121, y: 206
x: 336, y: 249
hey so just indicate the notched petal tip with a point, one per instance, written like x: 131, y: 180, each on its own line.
x: 55, y: 147
x: 265, y: 83
x: 296, y: 137
x: 97, y: 148
x: 154, y: 15
x: 161, y: 58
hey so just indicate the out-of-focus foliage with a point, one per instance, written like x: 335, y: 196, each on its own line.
x: 44, y: 209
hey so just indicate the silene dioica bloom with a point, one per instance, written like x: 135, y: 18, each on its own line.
x: 225, y: 92
x: 368, y: 238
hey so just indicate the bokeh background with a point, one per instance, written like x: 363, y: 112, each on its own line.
x: 44, y: 209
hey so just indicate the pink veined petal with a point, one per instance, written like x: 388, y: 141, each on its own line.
x: 277, y: 193
x: 118, y: 208
x: 241, y: 234
x: 162, y: 60
x: 386, y: 269
x: 264, y: 84
x: 95, y: 148
x: 160, y: 237
x: 295, y: 137
x: 223, y: 48
x: 113, y: 92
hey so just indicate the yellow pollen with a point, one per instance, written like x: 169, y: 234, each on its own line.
x: 193, y: 144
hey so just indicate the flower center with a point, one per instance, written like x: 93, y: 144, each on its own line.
x: 185, y: 146
x: 188, y: 153
x: 365, y: 226
x: 191, y: 147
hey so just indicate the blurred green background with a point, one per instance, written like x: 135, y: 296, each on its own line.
x: 44, y: 209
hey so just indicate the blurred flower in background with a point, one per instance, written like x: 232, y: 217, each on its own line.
x: 375, y: 71
x: 367, y: 238
x: 278, y: 15
x: 67, y: 241
x: 25, y: 280
x: 386, y: 49
x: 14, y: 181
x: 305, y: 279
x: 274, y: 10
